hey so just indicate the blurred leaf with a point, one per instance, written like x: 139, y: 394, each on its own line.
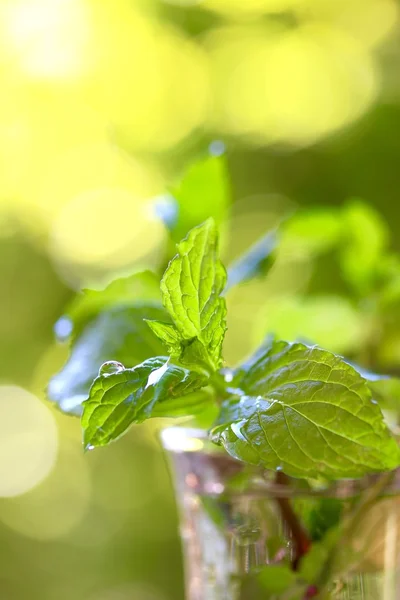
x: 140, y: 287
x: 115, y: 334
x: 257, y: 261
x: 202, y: 193
x: 329, y: 321
x: 311, y: 232
x: 191, y: 289
x: 385, y: 389
x: 313, y: 564
x: 120, y: 399
x: 312, y: 416
x: 276, y: 579
x: 365, y: 241
x: 318, y: 515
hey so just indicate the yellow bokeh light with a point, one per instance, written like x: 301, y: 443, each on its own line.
x: 28, y: 441
x: 56, y: 506
x: 250, y: 7
x: 45, y: 38
x: 86, y: 169
x: 295, y: 86
x: 107, y: 228
x: 37, y: 127
x: 370, y: 21
x: 150, y: 80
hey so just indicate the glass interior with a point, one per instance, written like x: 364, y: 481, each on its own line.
x: 237, y: 521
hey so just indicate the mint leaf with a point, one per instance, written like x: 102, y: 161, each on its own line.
x: 255, y: 262
x: 194, y: 404
x: 116, y: 334
x: 129, y: 396
x: 203, y: 192
x: 168, y: 335
x: 318, y: 514
x: 366, y: 238
x: 311, y: 232
x: 189, y: 353
x: 313, y: 415
x: 191, y: 289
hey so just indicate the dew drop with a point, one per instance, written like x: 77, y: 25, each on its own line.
x: 279, y: 468
x: 373, y: 401
x: 63, y: 329
x: 89, y: 447
x: 111, y: 367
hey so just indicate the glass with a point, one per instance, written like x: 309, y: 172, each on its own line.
x: 236, y: 520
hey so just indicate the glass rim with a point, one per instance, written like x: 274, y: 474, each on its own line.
x: 191, y: 441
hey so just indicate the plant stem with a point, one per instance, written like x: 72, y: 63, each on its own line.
x: 301, y: 541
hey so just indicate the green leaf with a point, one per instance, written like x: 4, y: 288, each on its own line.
x: 311, y: 232
x: 203, y: 192
x: 139, y: 288
x: 168, y: 335
x: 384, y: 389
x: 277, y: 579
x: 119, y: 334
x: 313, y: 564
x: 365, y: 242
x: 318, y: 515
x: 256, y: 261
x: 129, y: 396
x: 191, y: 289
x: 330, y: 321
x: 313, y: 415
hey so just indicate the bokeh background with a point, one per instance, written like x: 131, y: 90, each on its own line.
x: 103, y: 106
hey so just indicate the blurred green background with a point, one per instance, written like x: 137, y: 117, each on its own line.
x: 103, y: 105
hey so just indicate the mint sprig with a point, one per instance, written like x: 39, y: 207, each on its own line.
x: 191, y: 290
x: 292, y: 407
x: 128, y: 396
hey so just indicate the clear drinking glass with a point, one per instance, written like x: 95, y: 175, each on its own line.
x: 235, y: 521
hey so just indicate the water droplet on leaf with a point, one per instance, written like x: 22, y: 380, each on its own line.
x: 111, y: 367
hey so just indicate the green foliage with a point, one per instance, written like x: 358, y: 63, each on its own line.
x: 276, y: 579
x: 129, y: 396
x: 257, y: 261
x: 319, y: 515
x: 312, y: 232
x: 203, y: 192
x: 290, y: 407
x: 330, y: 321
x: 191, y: 290
x: 119, y: 334
x: 138, y: 288
x: 365, y: 243
x: 313, y: 415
